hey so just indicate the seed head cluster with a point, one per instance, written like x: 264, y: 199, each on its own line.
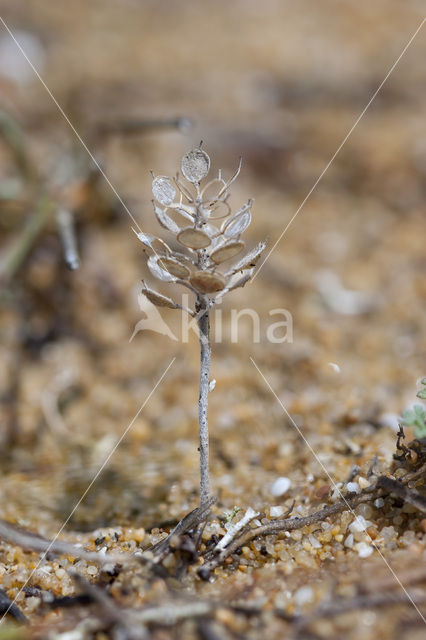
x: 206, y: 234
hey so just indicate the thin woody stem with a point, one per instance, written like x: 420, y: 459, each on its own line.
x: 204, y: 335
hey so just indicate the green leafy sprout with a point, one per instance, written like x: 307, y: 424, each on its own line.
x: 416, y: 416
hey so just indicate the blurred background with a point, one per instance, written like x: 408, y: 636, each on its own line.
x: 280, y: 84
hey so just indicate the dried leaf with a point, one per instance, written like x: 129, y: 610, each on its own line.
x: 175, y: 267
x: 158, y: 299
x: 193, y: 238
x: 250, y: 259
x: 195, y: 165
x: 207, y: 282
x: 165, y: 220
x: 157, y: 271
x: 227, y: 251
x: 163, y: 190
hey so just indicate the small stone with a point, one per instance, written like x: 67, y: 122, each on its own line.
x: 359, y: 525
x: 349, y: 542
x: 314, y: 542
x: 92, y: 571
x: 280, y: 486
x: 303, y: 596
x: 353, y: 487
x: 364, y: 550
x: 379, y: 503
x: 276, y: 512
x: 363, y: 482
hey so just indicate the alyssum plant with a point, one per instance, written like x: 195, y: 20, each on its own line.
x: 206, y: 235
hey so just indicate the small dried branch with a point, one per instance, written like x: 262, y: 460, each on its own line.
x: 19, y: 537
x: 408, y: 495
x: 249, y: 515
x: 287, y: 524
x: 190, y: 521
x: 7, y: 606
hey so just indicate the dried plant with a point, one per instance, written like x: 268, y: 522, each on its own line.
x: 206, y: 235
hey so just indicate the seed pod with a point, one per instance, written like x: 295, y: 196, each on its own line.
x: 217, y: 210
x: 193, y: 238
x: 237, y: 226
x: 227, y: 251
x: 206, y: 282
x: 250, y: 259
x: 163, y: 190
x: 158, y: 299
x: 157, y: 271
x: 151, y: 241
x: 165, y: 220
x: 239, y: 279
x: 195, y: 165
x: 239, y: 221
x: 175, y: 267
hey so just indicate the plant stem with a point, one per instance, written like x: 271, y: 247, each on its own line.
x: 204, y: 335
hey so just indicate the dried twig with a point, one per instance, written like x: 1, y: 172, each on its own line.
x: 408, y: 495
x: 20, y: 537
x: 190, y: 521
x: 9, y: 607
x: 287, y: 524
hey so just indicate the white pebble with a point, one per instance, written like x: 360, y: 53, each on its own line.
x: 337, y: 492
x: 280, y: 486
x: 349, y: 542
x: 363, y: 482
x: 359, y: 525
x: 364, y: 550
x: 314, y: 542
x: 379, y: 503
x: 276, y: 512
x: 303, y: 595
x: 353, y: 487
x: 334, y: 366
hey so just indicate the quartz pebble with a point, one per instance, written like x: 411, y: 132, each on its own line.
x: 276, y: 512
x: 280, y: 486
x: 364, y: 550
x: 303, y: 596
x: 353, y: 487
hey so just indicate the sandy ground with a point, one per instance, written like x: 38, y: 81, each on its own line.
x: 280, y: 84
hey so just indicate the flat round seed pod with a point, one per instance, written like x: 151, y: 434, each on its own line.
x: 175, y: 267
x: 228, y: 251
x: 193, y: 238
x: 158, y: 299
x: 250, y: 259
x: 163, y: 190
x: 157, y: 271
x: 218, y: 210
x: 164, y: 220
x: 195, y: 165
x: 206, y: 282
x: 237, y: 225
